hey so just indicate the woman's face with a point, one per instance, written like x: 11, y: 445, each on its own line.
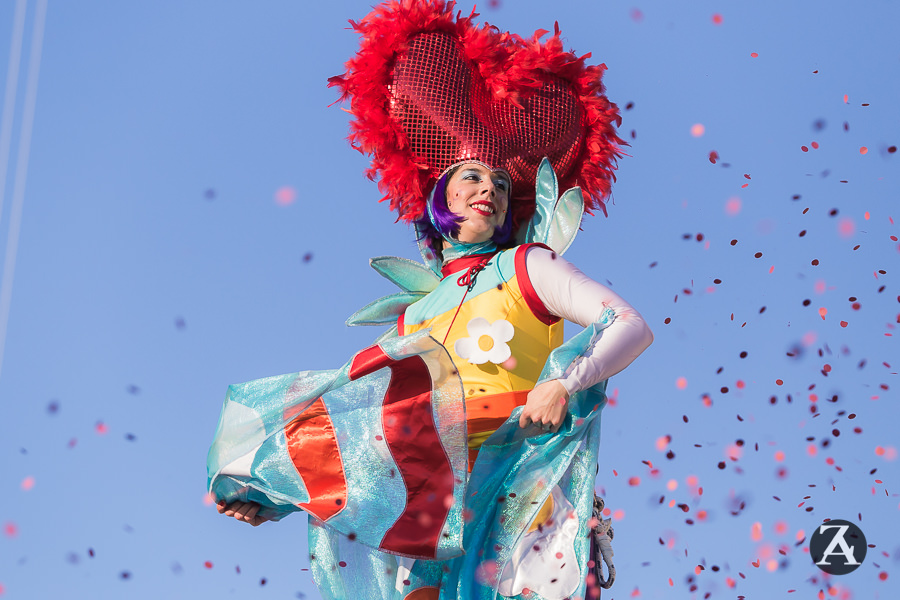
x: 481, y: 197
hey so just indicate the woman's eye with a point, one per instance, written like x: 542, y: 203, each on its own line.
x: 500, y: 183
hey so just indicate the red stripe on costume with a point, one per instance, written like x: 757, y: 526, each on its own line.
x: 416, y: 447
x: 311, y: 434
x: 466, y: 262
x: 531, y: 298
x: 400, y: 323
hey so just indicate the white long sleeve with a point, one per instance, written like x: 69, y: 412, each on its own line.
x: 570, y: 294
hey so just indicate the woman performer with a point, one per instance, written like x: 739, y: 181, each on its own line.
x: 456, y: 457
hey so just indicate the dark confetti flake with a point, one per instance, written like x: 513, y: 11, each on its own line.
x: 180, y: 323
x: 125, y: 575
x: 209, y: 194
x: 52, y: 407
x: 133, y: 390
x: 307, y: 257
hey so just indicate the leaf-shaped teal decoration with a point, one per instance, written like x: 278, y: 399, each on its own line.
x: 565, y: 221
x: 408, y: 275
x: 556, y: 219
x: 384, y: 310
x: 546, y: 191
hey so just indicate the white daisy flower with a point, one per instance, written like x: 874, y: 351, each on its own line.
x: 486, y: 341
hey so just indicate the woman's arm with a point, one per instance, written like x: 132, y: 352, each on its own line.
x: 572, y: 295
x: 568, y: 293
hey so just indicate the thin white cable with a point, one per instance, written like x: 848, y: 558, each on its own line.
x: 9, y: 99
x: 15, y: 220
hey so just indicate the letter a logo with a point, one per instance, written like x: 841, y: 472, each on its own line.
x: 837, y: 547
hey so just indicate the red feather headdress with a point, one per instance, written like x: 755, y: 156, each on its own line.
x: 429, y: 90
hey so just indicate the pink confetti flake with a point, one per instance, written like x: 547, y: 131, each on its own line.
x: 671, y: 485
x: 208, y: 564
x: 637, y: 15
x: 285, y: 196
x: 681, y: 383
x: 697, y: 129
x: 846, y: 98
x: 819, y: 286
x: 734, y: 452
x: 208, y: 499
x: 662, y: 442
x: 733, y: 206
x: 27, y: 483
x: 779, y: 456
x: 510, y: 363
x: 754, y: 55
x: 822, y: 312
x: 487, y: 572
x: 815, y: 145
x: 10, y: 529
x: 846, y: 227
x: 100, y: 428
x: 717, y: 19
x: 618, y: 515
x: 863, y: 150
x: 804, y: 148
x: 634, y: 481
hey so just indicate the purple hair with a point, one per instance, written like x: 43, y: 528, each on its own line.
x: 448, y: 223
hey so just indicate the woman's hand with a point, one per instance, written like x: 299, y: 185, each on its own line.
x: 546, y: 406
x: 242, y: 511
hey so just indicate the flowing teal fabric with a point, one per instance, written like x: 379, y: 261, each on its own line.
x: 511, y: 479
x: 250, y: 460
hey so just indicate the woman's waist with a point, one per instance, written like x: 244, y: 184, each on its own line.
x: 486, y: 412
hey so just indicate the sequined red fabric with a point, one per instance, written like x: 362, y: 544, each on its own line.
x: 429, y: 90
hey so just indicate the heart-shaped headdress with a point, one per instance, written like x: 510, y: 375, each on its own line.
x: 429, y: 90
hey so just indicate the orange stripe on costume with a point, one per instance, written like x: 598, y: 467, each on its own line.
x: 311, y: 434
x: 486, y: 413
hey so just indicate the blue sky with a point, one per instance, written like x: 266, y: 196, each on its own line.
x: 155, y: 265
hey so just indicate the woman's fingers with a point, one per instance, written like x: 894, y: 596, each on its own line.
x: 250, y: 514
x: 242, y: 511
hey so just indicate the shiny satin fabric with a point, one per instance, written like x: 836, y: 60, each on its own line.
x: 354, y: 447
x: 515, y: 473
